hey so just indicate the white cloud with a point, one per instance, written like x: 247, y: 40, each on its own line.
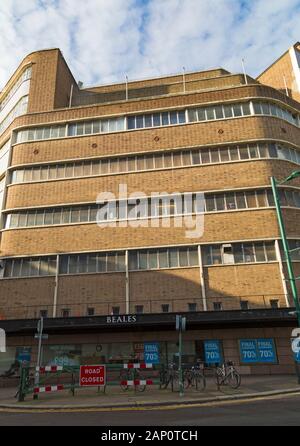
x: 102, y: 40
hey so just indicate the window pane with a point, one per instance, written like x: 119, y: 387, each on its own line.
x: 219, y: 112
x: 260, y: 252
x: 133, y: 261
x: 210, y: 113
x: 193, y: 257
x: 215, y: 156
x: 153, y: 260
x: 183, y: 257
x: 251, y: 200
x: 271, y: 253
x: 173, y: 118
x: 163, y: 258
x: 205, y: 156
x: 148, y: 121
x: 241, y: 200
x: 173, y: 253
x: 224, y: 155
x: 156, y: 120
x: 234, y: 154
x: 131, y: 122
x: 201, y: 114
x: 262, y: 198
x: 196, y: 157
x: 238, y: 253
x: 249, y: 253
x: 246, y: 109
x: 143, y: 257
x: 228, y: 111
x: 244, y: 154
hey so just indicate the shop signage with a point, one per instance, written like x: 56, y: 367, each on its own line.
x: 128, y: 319
x: 213, y: 352
x: 92, y: 375
x: 151, y: 353
x: 260, y: 351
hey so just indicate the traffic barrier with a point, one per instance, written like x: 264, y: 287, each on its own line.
x: 48, y: 389
x: 49, y: 369
x: 137, y: 382
x: 138, y: 366
x: 68, y: 378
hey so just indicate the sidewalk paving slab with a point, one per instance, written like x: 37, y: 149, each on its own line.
x: 252, y: 387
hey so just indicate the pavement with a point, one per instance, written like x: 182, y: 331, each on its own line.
x: 252, y: 387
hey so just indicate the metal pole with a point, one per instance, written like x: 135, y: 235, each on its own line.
x: 127, y: 95
x: 285, y: 86
x: 184, y: 82
x: 291, y: 274
x: 38, y: 363
x: 181, y: 392
x: 244, y: 71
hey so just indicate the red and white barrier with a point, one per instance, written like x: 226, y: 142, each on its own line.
x: 138, y: 366
x: 137, y: 382
x: 49, y: 369
x: 48, y: 389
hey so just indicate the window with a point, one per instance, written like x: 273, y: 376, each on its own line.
x: 218, y: 306
x: 91, y: 311
x: 44, y: 314
x: 66, y: 312
x: 244, y: 305
x: 192, y: 307
x: 165, y: 308
x: 274, y: 303
x: 115, y: 311
x: 139, y: 309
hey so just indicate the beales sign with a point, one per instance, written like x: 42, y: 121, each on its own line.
x: 128, y: 319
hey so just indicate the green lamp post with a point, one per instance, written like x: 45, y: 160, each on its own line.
x: 287, y: 251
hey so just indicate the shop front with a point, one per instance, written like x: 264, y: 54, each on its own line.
x: 255, y: 346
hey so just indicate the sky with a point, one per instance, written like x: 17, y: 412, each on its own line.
x: 105, y: 40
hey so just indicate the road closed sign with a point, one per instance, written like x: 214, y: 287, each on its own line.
x: 92, y: 375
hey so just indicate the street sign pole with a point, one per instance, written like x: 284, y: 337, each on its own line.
x: 40, y: 328
x: 180, y: 327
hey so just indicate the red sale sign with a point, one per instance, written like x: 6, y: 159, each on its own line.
x: 92, y: 375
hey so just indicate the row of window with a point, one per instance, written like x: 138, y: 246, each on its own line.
x: 18, y: 110
x: 26, y: 75
x: 151, y: 120
x: 147, y: 259
x: 239, y: 253
x: 164, y: 308
x: 167, y: 206
x: 154, y: 161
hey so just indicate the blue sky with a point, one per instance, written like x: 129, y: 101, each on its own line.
x: 103, y: 40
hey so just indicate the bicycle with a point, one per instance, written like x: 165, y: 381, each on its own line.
x: 195, y: 377
x: 131, y: 375
x: 171, y: 376
x: 227, y: 375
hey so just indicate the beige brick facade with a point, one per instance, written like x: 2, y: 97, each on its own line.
x: 49, y: 103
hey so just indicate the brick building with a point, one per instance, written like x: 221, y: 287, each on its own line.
x: 105, y: 287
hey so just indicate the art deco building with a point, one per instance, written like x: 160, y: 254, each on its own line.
x: 211, y: 132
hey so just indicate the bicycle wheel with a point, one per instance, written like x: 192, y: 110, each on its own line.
x: 200, y: 381
x: 233, y: 380
x: 124, y: 377
x: 139, y: 377
x: 164, y: 379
